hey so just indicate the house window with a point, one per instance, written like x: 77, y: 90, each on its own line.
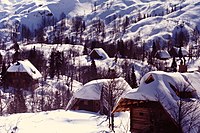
x: 149, y: 79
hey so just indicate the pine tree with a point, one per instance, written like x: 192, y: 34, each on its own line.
x: 1, y: 105
x: 133, y: 78
x: 52, y: 65
x: 85, y: 51
x: 121, y: 48
x: 57, y: 100
x: 16, y: 57
x: 3, y: 69
x: 3, y: 72
x: 32, y: 56
x: 93, y: 70
x: 154, y: 49
x: 58, y: 63
x: 174, y: 65
x: 17, y: 104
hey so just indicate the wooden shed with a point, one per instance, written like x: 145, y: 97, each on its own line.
x: 22, y: 74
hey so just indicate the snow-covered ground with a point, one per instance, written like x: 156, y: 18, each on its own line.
x: 60, y: 121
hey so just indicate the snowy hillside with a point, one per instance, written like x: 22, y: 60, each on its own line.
x: 146, y: 18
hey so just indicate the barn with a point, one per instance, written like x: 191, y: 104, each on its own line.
x: 163, y: 103
x: 93, y: 96
x: 22, y: 74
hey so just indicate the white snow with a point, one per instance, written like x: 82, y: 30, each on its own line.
x: 157, y: 26
x: 60, y: 121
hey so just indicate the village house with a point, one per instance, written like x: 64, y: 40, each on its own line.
x: 163, y: 103
x: 98, y: 53
x: 94, y: 95
x: 22, y: 74
x: 161, y: 60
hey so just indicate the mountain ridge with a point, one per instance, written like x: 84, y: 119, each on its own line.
x: 149, y: 19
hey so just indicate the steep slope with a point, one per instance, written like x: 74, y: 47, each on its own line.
x: 150, y: 19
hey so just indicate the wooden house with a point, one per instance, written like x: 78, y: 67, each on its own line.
x: 154, y: 105
x: 162, y: 55
x: 98, y: 53
x: 147, y: 116
x: 93, y: 96
x: 22, y: 74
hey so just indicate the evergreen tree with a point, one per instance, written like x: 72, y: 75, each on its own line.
x: 133, y: 78
x: 121, y: 48
x: 52, y: 65
x: 1, y: 105
x: 93, y: 70
x: 174, y: 65
x: 57, y: 100
x: 180, y: 54
x: 32, y: 56
x: 85, y: 51
x: 58, y: 63
x: 20, y: 102
x: 3, y: 72
x: 154, y: 49
x: 3, y: 69
x: 16, y: 56
x: 93, y: 45
x: 17, y: 105
x: 1, y: 58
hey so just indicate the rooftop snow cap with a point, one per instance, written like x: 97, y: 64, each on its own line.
x: 25, y: 66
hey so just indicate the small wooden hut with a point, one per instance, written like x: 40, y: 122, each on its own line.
x: 94, y: 95
x: 98, y: 53
x: 22, y: 74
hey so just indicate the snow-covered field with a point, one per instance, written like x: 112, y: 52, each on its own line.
x: 61, y: 121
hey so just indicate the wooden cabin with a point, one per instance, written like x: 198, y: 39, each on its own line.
x: 22, y: 74
x: 98, y: 53
x: 147, y: 116
x: 84, y: 104
x: 154, y: 107
x: 94, y: 95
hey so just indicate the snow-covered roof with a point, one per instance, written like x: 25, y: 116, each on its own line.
x: 161, y: 86
x: 162, y: 54
x: 100, y: 52
x: 25, y: 66
x: 92, y: 89
x: 184, y: 51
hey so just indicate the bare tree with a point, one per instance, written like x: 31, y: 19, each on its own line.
x: 186, y: 110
